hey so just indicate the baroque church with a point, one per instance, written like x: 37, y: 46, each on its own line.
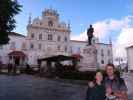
x: 47, y: 36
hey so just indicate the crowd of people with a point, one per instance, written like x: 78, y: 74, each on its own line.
x: 107, y: 87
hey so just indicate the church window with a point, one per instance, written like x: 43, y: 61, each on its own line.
x: 102, y: 52
x: 40, y: 46
x: 102, y: 61
x: 50, y: 37
x: 50, y: 23
x: 40, y: 36
x: 65, y: 39
x: 31, y: 46
x: 32, y: 35
x: 59, y: 38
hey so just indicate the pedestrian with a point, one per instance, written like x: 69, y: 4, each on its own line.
x: 0, y: 65
x: 14, y: 68
x: 96, y: 89
x: 115, y: 86
x: 9, y: 67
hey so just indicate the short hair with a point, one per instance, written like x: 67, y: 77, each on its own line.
x: 99, y: 71
x: 110, y: 64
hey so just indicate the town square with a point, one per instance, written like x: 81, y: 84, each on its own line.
x: 54, y: 49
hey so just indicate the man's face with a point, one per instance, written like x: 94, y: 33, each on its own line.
x: 110, y: 70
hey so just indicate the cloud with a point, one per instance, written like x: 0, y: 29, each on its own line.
x: 80, y: 37
x: 105, y: 27
x: 124, y: 40
x: 122, y: 28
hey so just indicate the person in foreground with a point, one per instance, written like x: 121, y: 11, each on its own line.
x: 96, y: 89
x: 115, y: 86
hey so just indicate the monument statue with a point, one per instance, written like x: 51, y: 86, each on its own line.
x: 89, y: 60
x: 90, y: 34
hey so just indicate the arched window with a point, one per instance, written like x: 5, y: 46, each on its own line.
x: 50, y: 23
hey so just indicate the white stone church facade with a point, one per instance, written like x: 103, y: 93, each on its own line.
x: 47, y: 36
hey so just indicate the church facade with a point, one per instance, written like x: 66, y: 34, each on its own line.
x: 47, y: 36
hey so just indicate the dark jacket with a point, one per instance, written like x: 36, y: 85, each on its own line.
x: 96, y: 93
x: 117, y: 84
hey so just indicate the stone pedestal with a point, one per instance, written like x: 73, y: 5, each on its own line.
x: 89, y: 60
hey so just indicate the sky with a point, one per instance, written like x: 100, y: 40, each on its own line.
x: 110, y: 19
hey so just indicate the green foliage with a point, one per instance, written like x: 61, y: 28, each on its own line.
x: 8, y: 9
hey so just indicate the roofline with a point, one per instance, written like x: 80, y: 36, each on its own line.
x: 129, y: 47
x: 78, y: 41
x: 104, y: 43
x: 86, y: 42
x: 16, y: 34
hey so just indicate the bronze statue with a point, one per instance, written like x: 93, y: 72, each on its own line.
x: 90, y: 34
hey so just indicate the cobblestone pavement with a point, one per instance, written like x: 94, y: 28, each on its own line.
x: 25, y: 87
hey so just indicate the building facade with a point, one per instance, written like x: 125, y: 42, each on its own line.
x: 104, y: 51
x: 47, y: 36
x: 13, y: 51
x: 130, y: 58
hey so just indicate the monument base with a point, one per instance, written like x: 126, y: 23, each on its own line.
x: 89, y: 60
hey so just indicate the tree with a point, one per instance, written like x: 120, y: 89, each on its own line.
x: 8, y: 9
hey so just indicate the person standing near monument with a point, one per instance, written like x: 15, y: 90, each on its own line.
x: 97, y: 91
x: 115, y: 85
x: 90, y: 34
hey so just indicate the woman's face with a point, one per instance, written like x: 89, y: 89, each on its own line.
x: 99, y: 76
